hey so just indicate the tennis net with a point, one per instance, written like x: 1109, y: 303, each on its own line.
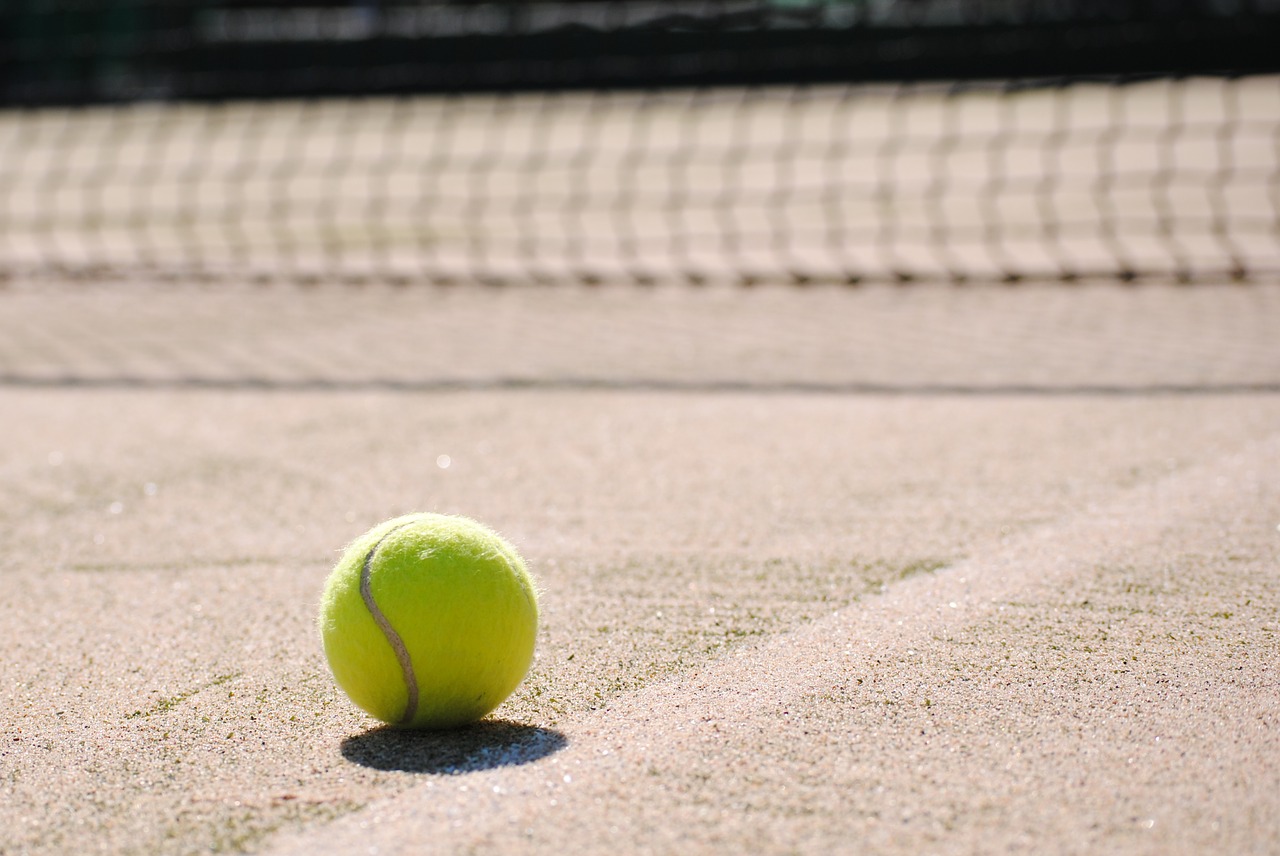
x: 645, y: 142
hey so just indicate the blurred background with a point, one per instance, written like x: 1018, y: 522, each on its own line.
x: 846, y: 141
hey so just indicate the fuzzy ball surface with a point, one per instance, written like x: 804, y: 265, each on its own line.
x: 429, y: 621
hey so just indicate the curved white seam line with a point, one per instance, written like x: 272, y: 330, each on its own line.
x: 393, y: 638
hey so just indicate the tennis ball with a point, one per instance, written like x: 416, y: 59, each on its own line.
x: 428, y: 621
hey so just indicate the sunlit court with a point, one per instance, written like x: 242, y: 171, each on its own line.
x: 639, y: 427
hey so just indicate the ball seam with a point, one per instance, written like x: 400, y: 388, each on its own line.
x: 392, y: 637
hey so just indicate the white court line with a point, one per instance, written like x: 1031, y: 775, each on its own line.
x: 606, y: 773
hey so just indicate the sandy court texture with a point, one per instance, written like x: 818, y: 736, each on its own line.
x: 879, y: 570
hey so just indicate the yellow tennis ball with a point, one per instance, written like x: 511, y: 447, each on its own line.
x: 428, y: 621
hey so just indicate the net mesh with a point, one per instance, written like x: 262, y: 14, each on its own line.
x: 1165, y: 175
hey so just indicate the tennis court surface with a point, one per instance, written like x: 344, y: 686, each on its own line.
x: 871, y: 570
x: 886, y: 395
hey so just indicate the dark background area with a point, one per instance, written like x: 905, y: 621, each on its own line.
x: 92, y: 51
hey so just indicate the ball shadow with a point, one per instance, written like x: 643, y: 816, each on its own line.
x: 483, y: 746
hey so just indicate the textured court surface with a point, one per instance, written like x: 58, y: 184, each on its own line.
x: 880, y: 570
